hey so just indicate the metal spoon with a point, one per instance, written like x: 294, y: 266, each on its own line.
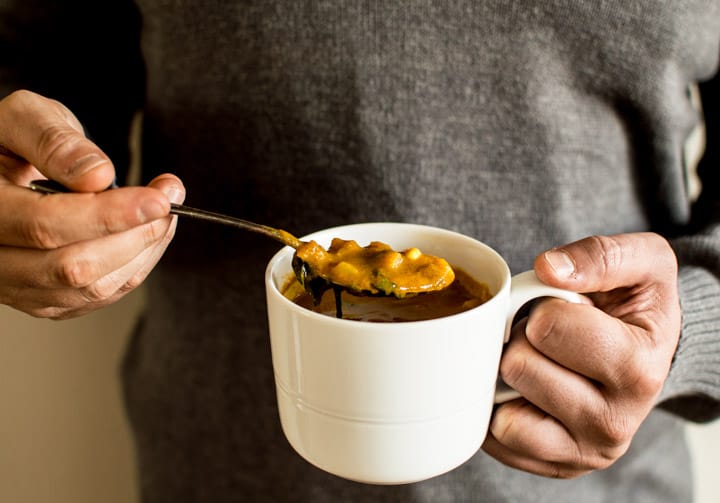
x: 310, y: 274
x: 52, y: 187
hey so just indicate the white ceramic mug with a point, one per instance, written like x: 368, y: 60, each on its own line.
x: 393, y: 403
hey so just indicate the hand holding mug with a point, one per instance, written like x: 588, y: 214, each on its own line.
x: 589, y: 373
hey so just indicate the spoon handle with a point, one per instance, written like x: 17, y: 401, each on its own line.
x: 277, y: 234
x: 52, y: 187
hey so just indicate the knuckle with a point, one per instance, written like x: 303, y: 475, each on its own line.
x: 648, y: 382
x: 505, y: 420
x: 557, y: 471
x: 98, y: 292
x: 158, y: 233
x: 614, y: 434
x: 600, y: 459
x: 608, y: 251
x: 38, y: 232
x: 153, y: 232
x: 542, y: 321
x: 104, y: 289
x: 74, y: 271
x: 110, y: 223
x: 652, y: 383
x: 68, y: 116
x: 19, y: 99
x: 56, y: 141
x: 514, y: 369
x: 641, y: 376
x: 132, y: 283
x: 606, y: 444
x: 606, y: 456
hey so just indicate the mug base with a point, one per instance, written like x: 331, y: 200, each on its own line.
x: 383, y: 452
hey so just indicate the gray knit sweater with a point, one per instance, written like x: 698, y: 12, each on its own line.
x: 526, y: 124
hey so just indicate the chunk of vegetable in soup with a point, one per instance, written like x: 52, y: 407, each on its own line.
x: 376, y: 268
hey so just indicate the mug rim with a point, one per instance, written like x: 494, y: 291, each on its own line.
x: 273, y: 289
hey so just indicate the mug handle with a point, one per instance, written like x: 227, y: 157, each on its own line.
x: 525, y: 287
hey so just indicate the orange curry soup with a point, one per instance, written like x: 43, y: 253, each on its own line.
x: 464, y: 293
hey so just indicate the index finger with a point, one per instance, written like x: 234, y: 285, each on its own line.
x: 47, y: 135
x: 584, y: 340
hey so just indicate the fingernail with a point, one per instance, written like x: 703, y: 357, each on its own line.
x: 175, y: 195
x: 561, y: 262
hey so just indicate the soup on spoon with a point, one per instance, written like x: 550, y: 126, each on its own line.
x: 375, y: 269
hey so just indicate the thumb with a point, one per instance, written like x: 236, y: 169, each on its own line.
x: 604, y: 263
x: 47, y: 135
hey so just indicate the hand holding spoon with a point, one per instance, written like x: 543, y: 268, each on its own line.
x: 375, y: 269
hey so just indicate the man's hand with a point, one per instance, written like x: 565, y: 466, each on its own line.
x: 589, y: 373
x: 63, y: 255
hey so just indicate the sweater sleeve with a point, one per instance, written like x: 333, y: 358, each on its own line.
x: 85, y: 54
x: 692, y: 389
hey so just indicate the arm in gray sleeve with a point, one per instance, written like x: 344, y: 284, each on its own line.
x: 693, y: 386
